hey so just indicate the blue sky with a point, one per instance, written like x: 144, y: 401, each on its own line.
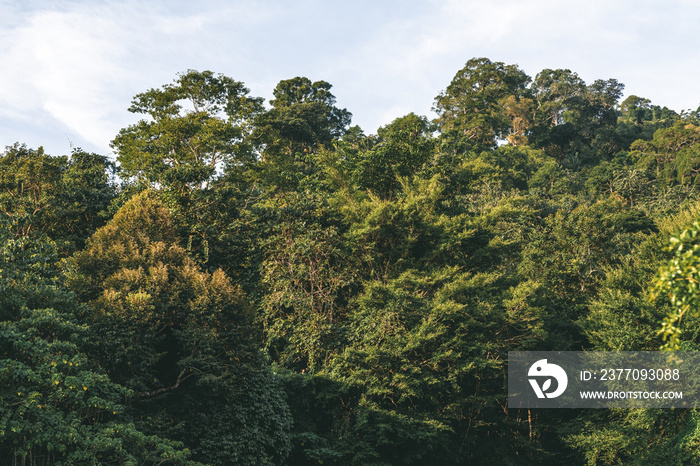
x: 70, y: 69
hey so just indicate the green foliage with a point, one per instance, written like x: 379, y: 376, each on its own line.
x: 640, y: 120
x: 622, y: 299
x: 30, y: 181
x: 673, y: 155
x: 305, y: 275
x: 506, y: 168
x: 304, y: 115
x: 302, y: 120
x: 56, y: 410
x: 56, y: 407
x: 183, y: 147
x: 638, y: 437
x: 143, y: 285
x: 579, y: 244
x: 470, y: 111
x: 572, y: 118
x: 170, y: 330
x: 376, y: 307
x: 401, y: 148
x: 65, y: 198
x: 28, y: 271
x: 250, y: 428
x: 678, y: 279
x: 293, y: 291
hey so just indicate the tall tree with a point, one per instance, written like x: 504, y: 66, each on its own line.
x: 303, y: 118
x: 573, y: 118
x: 471, y: 111
x: 555, y: 92
x: 196, y: 126
x: 56, y: 405
x: 400, y: 150
x: 177, y: 336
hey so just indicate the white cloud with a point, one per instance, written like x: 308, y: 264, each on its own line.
x: 74, y: 67
x: 641, y: 44
x: 66, y: 64
x: 81, y: 65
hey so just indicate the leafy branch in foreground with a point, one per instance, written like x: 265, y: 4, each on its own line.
x: 679, y: 280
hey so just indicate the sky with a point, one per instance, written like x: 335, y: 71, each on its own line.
x: 69, y: 69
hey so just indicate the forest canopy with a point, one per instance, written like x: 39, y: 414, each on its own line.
x: 266, y: 284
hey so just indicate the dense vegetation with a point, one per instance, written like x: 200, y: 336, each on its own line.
x: 253, y: 284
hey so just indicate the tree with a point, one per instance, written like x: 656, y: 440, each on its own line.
x: 305, y: 275
x: 183, y: 148
x: 471, y: 111
x: 672, y: 155
x: 573, y: 119
x: 639, y: 119
x: 394, y: 341
x: 87, y: 190
x: 599, y: 117
x: 176, y: 335
x: 624, y: 318
x: 556, y: 92
x: 572, y: 253
x: 66, y: 198
x: 400, y: 150
x: 56, y: 405
x: 636, y: 110
x: 303, y: 118
x: 29, y: 181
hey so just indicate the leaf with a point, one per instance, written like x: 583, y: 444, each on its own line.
x: 546, y: 385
